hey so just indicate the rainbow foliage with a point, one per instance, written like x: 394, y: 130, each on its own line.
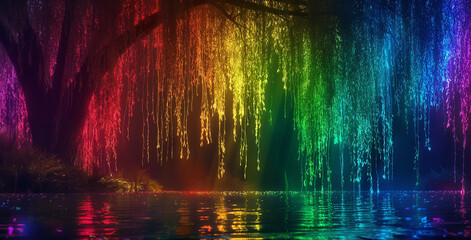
x: 348, y: 71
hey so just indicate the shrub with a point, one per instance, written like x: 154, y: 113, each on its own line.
x: 29, y: 170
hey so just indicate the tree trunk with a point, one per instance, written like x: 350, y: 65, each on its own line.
x: 56, y: 124
x: 57, y: 133
x: 56, y: 127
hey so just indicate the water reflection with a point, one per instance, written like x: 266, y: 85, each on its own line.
x: 212, y: 214
x: 464, y: 214
x: 237, y: 214
x: 95, y: 218
x: 316, y: 211
x: 13, y: 229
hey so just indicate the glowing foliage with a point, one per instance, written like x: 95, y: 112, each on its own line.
x: 13, y: 113
x: 348, y: 72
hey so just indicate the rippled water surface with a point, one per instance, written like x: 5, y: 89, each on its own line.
x: 400, y: 215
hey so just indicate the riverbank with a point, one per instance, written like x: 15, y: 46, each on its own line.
x: 29, y: 170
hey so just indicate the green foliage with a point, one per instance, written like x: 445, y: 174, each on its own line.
x: 139, y: 181
x: 29, y: 170
x: 146, y: 183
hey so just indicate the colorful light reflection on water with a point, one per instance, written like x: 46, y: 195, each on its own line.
x: 237, y: 215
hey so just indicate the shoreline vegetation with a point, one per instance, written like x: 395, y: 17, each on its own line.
x: 29, y: 170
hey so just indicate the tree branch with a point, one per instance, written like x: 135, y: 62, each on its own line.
x: 61, y: 59
x: 22, y: 46
x: 228, y: 16
x: 99, y: 62
x: 8, y: 42
x: 293, y: 2
x: 7, y: 32
x: 261, y: 7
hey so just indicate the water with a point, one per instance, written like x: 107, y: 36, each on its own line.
x: 399, y: 215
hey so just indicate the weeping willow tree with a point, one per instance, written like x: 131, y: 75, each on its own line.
x: 64, y: 53
x: 79, y: 71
